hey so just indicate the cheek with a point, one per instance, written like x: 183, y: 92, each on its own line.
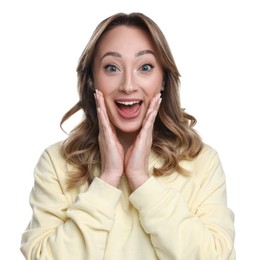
x: 152, y: 85
x: 106, y: 84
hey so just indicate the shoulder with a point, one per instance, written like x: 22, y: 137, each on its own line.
x: 52, y: 162
x: 208, y: 150
x: 207, y: 155
x: 205, y: 164
x: 52, y: 170
x: 51, y: 155
x: 208, y: 164
x: 54, y: 149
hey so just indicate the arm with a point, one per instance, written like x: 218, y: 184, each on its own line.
x: 203, y: 230
x: 62, y: 231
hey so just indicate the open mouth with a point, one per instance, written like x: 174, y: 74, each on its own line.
x: 128, y: 109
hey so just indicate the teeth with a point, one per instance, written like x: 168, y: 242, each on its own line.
x: 128, y: 103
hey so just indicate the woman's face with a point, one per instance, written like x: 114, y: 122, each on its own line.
x: 128, y: 73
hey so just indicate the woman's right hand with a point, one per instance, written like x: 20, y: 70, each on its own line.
x: 112, y: 153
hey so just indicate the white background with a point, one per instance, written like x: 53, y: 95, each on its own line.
x: 216, y: 45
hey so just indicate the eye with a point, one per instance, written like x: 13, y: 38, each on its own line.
x: 146, y: 67
x: 110, y: 68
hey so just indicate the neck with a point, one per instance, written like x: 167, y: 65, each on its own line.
x: 126, y: 139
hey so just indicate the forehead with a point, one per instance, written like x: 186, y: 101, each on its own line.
x: 125, y: 39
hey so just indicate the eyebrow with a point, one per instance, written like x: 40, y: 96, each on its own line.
x: 140, y: 53
x: 118, y: 55
x: 111, y: 53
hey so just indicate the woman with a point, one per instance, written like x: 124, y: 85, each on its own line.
x: 133, y: 180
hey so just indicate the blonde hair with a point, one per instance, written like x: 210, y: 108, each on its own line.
x: 174, y: 138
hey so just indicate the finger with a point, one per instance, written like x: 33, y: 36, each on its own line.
x: 104, y: 113
x: 145, y: 134
x: 158, y: 102
x: 107, y: 130
x: 104, y: 122
x: 152, y: 110
x: 101, y: 106
x: 98, y: 110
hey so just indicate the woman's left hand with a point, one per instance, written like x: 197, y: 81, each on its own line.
x: 137, y: 156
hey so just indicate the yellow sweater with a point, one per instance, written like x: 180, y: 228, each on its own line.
x: 167, y: 218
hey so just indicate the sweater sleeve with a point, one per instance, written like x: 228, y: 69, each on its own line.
x: 61, y: 230
x: 176, y: 231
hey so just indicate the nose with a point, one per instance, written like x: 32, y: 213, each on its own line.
x: 128, y: 84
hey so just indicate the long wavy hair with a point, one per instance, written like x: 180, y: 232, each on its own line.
x: 174, y: 138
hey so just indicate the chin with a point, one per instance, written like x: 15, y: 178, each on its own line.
x: 128, y: 128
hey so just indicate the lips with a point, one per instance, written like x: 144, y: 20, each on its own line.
x: 128, y: 108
